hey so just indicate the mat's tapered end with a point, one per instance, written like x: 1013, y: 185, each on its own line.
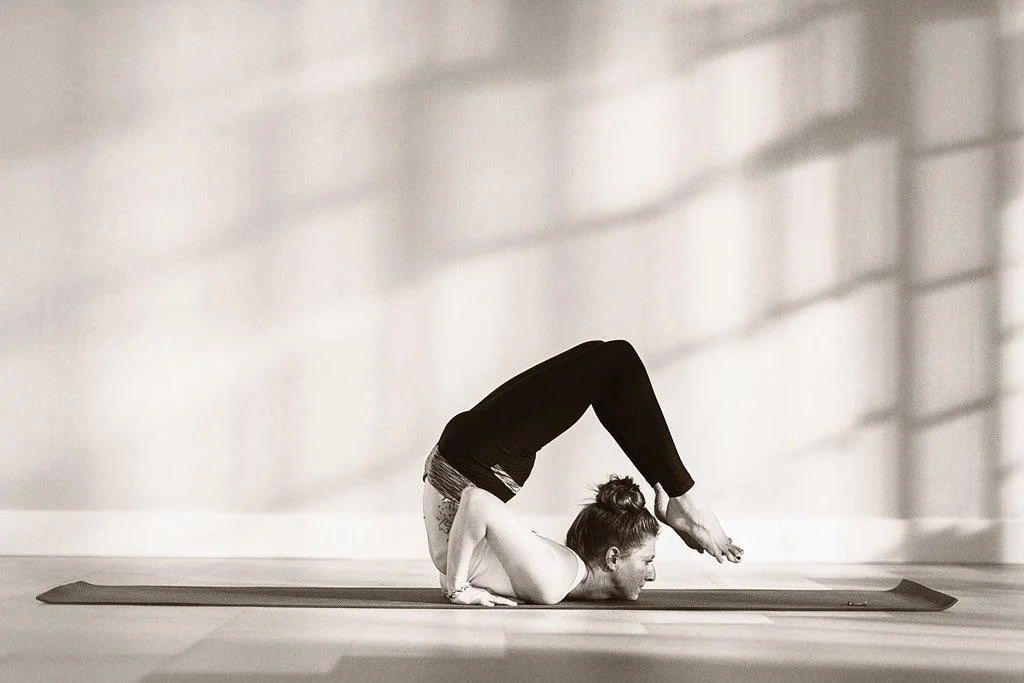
x: 920, y: 592
x: 59, y: 594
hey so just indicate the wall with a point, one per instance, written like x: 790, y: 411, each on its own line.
x: 254, y: 254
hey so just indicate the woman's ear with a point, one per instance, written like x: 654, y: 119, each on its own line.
x: 612, y: 557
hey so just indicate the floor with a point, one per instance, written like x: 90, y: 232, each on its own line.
x: 981, y: 638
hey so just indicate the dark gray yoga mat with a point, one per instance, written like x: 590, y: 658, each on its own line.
x: 908, y: 596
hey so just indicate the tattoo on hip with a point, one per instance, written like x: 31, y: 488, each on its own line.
x: 446, y: 510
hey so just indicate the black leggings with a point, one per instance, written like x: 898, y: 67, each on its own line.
x: 497, y: 440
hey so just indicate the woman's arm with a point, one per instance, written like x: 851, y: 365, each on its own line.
x: 469, y: 528
x: 540, y: 570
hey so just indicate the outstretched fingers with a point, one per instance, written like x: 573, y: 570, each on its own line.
x: 499, y: 600
x: 471, y: 595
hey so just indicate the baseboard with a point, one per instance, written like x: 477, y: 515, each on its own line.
x: 177, y: 534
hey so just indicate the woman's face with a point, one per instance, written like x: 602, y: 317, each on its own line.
x: 634, y: 570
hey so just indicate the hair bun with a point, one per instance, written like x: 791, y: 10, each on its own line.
x: 620, y: 494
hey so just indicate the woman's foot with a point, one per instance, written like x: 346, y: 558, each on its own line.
x: 696, y: 524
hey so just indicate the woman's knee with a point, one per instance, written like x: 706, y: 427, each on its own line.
x: 624, y: 353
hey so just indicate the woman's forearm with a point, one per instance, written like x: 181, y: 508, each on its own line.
x: 468, y: 529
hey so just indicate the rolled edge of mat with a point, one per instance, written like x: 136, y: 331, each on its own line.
x: 56, y: 595
x: 913, y: 588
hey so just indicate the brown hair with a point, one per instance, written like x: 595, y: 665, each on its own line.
x: 617, y: 517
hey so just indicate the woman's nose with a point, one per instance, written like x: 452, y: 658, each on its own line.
x: 650, y: 574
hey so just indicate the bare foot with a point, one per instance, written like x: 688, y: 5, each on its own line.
x: 696, y: 524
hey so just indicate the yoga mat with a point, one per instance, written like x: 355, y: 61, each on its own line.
x: 907, y: 596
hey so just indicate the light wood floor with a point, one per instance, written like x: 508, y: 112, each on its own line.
x: 979, y: 638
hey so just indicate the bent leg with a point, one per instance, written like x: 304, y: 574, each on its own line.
x: 629, y: 410
x: 498, y: 438
x: 530, y: 410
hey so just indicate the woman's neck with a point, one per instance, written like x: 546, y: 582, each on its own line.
x: 594, y: 586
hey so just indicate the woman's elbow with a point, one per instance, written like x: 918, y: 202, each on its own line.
x: 545, y: 595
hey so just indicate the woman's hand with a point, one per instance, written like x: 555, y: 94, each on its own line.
x: 471, y: 595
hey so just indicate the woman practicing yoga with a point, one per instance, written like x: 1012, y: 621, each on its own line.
x: 487, y: 556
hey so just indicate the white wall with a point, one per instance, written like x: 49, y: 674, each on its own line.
x: 254, y: 254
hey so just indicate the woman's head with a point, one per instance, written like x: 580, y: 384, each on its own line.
x: 616, y: 534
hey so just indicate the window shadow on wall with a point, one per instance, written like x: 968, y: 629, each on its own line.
x: 271, y: 258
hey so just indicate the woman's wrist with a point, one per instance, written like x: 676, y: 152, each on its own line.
x: 456, y: 588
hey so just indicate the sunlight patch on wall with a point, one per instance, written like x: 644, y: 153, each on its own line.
x: 804, y: 359
x: 616, y: 44
x: 746, y: 98
x: 952, y: 344
x: 617, y: 155
x: 37, y: 203
x: 174, y: 389
x: 477, y: 310
x: 1012, y: 56
x: 333, y: 259
x: 950, y: 457
x: 402, y: 344
x: 1012, y: 239
x: 1012, y: 297
x: 470, y: 32
x: 868, y: 207
x: 143, y: 56
x: 739, y: 19
x: 766, y: 90
x: 1013, y: 363
x: 952, y: 204
x: 743, y: 426
x: 199, y: 373
x: 365, y: 39
x: 598, y: 291
x: 693, y: 146
x: 714, y: 262
x: 33, y: 77
x: 800, y: 80
x: 331, y: 421
x: 32, y: 382
x: 875, y: 344
x: 1011, y: 16
x: 154, y: 192
x: 1012, y: 235
x: 711, y: 400
x: 698, y: 269
x: 1012, y: 460
x: 845, y: 478
x: 953, y: 82
x: 843, y: 48
x: 325, y: 146
x: 810, y: 262
x: 490, y: 165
